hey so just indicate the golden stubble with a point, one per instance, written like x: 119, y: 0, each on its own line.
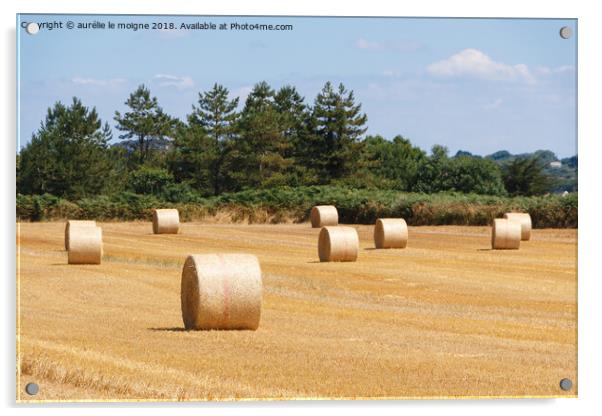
x: 444, y: 317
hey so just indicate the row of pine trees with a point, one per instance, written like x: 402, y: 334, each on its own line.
x: 276, y: 139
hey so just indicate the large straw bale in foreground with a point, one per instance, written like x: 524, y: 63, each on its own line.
x: 221, y: 291
x: 390, y: 233
x: 525, y: 223
x: 73, y: 223
x: 324, y: 215
x: 85, y: 245
x: 338, y: 244
x: 166, y: 221
x: 505, y: 234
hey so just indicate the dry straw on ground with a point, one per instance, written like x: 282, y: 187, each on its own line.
x: 166, y: 221
x: 338, y: 244
x: 444, y: 313
x: 525, y: 223
x: 390, y: 233
x: 74, y: 223
x: 324, y: 215
x: 85, y: 245
x: 221, y: 291
x: 505, y: 234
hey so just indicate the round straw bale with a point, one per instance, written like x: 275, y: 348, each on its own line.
x: 221, y: 291
x: 390, y: 233
x: 338, y: 244
x: 73, y: 223
x: 323, y: 215
x: 85, y: 245
x: 166, y: 221
x: 505, y: 234
x: 525, y: 223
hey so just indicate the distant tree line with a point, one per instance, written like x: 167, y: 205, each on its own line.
x: 276, y: 139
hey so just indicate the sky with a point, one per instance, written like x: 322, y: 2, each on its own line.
x: 479, y: 85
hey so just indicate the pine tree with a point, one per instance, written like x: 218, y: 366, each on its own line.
x: 263, y: 153
x: 192, y: 156
x: 293, y: 118
x: 145, y: 122
x: 260, y: 98
x: 68, y: 156
x: 339, y: 124
x: 217, y: 117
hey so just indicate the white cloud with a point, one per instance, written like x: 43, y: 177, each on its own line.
x: 472, y: 62
x: 111, y: 82
x: 181, y: 83
x: 545, y: 70
x: 564, y: 68
x: 497, y: 103
x: 365, y: 44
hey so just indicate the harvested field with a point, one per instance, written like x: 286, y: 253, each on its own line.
x: 445, y: 316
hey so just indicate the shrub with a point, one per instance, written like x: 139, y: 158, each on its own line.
x: 149, y: 181
x: 362, y: 206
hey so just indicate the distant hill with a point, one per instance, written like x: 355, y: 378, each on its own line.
x: 570, y: 161
x: 563, y: 171
x: 500, y: 156
x: 130, y: 146
x: 460, y: 153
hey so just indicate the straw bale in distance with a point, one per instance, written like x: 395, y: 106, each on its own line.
x: 505, y: 234
x: 390, y: 233
x: 71, y: 223
x: 166, y: 221
x: 221, y: 291
x: 338, y: 244
x: 85, y: 245
x: 323, y: 215
x: 525, y: 223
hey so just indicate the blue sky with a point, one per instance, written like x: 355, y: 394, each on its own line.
x: 473, y: 84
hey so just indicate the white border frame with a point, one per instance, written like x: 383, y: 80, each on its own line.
x: 590, y: 150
